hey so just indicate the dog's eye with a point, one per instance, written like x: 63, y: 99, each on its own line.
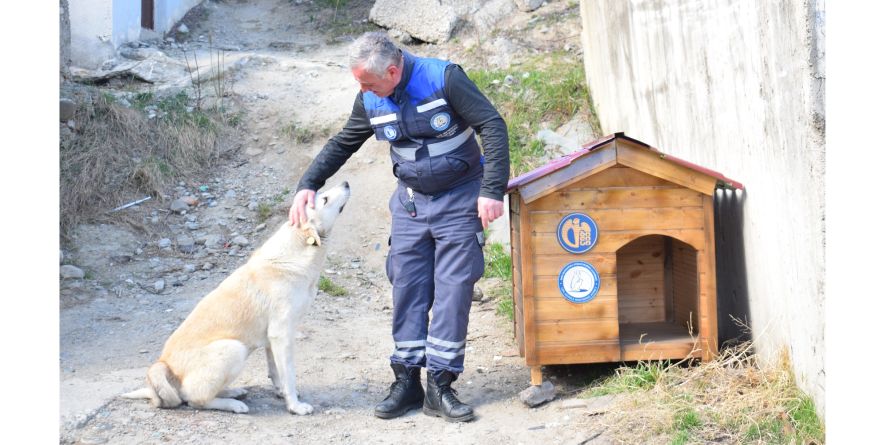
x: 325, y: 198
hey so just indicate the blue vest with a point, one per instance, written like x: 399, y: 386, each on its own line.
x: 432, y: 147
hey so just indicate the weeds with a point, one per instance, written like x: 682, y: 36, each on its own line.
x: 728, y: 400
x: 326, y: 285
x: 547, y: 90
x: 264, y: 212
x: 297, y: 133
x: 118, y: 151
x: 498, y: 265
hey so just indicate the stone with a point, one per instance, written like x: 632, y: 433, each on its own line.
x: 183, y: 29
x: 400, y: 36
x: 260, y: 227
x: 159, y: 285
x: 528, y: 5
x: 573, y: 404
x: 478, y: 294
x: 185, y: 244
x: 207, y: 266
x: 69, y: 271
x: 92, y: 440
x: 240, y: 240
x: 190, y: 200
x: 164, y: 243
x: 189, y: 268
x: 67, y: 107
x: 179, y: 205
x: 537, y: 395
x: 252, y: 205
x: 426, y: 20
x: 230, y: 194
x: 192, y: 225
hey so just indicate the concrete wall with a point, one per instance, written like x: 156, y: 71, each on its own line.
x: 64, y: 37
x: 736, y: 86
x: 92, y: 32
x: 127, y: 21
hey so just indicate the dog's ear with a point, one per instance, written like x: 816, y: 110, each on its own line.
x: 311, y: 235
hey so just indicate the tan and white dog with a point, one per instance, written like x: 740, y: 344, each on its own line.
x: 256, y: 306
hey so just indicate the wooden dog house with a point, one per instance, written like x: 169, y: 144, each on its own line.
x: 613, y: 257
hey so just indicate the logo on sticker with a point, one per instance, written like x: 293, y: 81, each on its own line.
x: 579, y: 282
x: 577, y: 233
x: 390, y: 132
x: 440, y: 121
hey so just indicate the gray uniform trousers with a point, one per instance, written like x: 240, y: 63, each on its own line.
x: 434, y: 261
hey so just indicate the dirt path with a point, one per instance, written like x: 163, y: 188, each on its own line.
x: 292, y: 76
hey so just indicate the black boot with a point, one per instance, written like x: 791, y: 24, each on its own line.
x: 440, y: 400
x: 406, y: 393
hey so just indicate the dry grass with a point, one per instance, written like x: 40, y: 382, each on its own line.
x: 119, y: 154
x: 728, y: 400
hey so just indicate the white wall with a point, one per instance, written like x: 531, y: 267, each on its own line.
x: 92, y: 32
x: 738, y: 87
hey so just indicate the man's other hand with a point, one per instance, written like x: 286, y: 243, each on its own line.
x: 489, y: 210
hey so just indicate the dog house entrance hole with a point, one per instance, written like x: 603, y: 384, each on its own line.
x: 658, y: 297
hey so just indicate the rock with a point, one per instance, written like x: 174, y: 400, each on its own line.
x: 190, y: 200
x: 537, y: 395
x: 230, y: 194
x: 207, y: 266
x: 183, y: 29
x: 159, y: 285
x: 426, y: 20
x: 69, y: 271
x: 573, y: 403
x: 400, y: 36
x: 185, y: 244
x: 478, y: 294
x: 164, y: 243
x: 211, y: 240
x: 179, y: 205
x: 260, y: 227
x: 240, y: 240
x: 192, y: 225
x: 92, y: 440
x: 189, y: 268
x: 67, y: 107
x: 120, y: 259
x: 528, y: 5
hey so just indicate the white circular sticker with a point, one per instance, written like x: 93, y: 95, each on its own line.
x: 579, y: 282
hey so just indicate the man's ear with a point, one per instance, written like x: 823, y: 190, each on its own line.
x: 311, y: 235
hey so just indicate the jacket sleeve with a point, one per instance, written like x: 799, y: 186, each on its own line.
x: 338, y: 149
x: 467, y: 100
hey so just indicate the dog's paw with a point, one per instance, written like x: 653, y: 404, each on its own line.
x: 300, y: 408
x: 238, y: 407
x: 236, y: 393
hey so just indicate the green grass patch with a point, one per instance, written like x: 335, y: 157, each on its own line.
x: 803, y: 417
x: 548, y: 89
x: 326, y: 285
x: 264, y: 211
x: 641, y: 377
x: 498, y: 262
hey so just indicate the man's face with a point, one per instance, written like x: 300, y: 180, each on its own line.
x: 381, y: 86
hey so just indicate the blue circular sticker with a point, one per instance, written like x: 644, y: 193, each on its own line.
x: 390, y: 132
x: 440, y: 121
x: 577, y: 233
x: 579, y: 282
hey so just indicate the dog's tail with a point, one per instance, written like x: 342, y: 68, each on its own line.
x: 160, y: 390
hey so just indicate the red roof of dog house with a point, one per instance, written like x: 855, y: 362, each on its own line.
x: 566, y: 160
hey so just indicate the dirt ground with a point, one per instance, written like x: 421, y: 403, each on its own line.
x: 113, y: 324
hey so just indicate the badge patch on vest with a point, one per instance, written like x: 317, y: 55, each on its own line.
x: 440, y: 121
x: 390, y: 132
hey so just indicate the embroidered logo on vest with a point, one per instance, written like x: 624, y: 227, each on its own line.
x: 440, y: 121
x: 390, y: 132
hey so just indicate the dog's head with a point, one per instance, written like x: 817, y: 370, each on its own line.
x: 327, y: 206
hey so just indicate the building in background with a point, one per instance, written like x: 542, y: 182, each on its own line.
x: 99, y: 27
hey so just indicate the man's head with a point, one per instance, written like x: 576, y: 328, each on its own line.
x: 376, y: 63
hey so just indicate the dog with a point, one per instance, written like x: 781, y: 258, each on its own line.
x: 256, y: 306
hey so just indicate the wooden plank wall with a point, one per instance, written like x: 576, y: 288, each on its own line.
x: 685, y: 285
x: 626, y: 204
x: 517, y: 271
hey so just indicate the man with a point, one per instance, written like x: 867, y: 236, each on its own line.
x: 447, y: 193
